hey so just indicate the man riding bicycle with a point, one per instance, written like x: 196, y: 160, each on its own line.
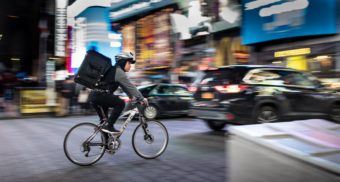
x: 104, y: 97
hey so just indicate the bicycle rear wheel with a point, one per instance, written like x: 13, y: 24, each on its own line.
x: 150, y: 140
x: 84, y: 144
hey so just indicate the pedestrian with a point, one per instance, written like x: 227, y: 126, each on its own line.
x: 67, y: 93
x: 83, y: 99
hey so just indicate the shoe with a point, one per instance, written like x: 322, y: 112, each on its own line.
x: 109, y: 128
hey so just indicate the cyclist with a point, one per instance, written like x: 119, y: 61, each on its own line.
x: 104, y: 96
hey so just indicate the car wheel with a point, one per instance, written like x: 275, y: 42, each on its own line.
x: 335, y: 113
x: 151, y: 112
x: 215, y: 125
x: 267, y: 114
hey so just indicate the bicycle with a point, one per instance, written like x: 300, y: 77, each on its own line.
x: 91, y: 142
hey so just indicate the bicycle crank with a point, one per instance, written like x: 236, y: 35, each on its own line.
x: 113, y: 145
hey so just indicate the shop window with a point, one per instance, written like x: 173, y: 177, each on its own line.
x: 297, y: 62
x: 294, y: 62
x: 324, y: 63
x: 312, y: 64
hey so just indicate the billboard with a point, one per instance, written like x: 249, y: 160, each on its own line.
x: 265, y: 20
x: 153, y: 40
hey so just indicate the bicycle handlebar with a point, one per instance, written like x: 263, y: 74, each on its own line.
x: 138, y: 104
x: 135, y: 102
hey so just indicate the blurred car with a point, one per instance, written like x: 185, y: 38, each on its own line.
x: 164, y: 99
x: 261, y: 94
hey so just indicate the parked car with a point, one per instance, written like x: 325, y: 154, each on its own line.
x: 165, y: 99
x: 261, y: 94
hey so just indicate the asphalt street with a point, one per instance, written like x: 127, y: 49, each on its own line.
x: 32, y: 150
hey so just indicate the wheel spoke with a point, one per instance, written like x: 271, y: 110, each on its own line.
x: 267, y: 116
x: 152, y: 144
x: 83, y: 144
x: 150, y: 112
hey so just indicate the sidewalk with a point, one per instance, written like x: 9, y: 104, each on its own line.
x: 14, y: 113
x: 305, y: 150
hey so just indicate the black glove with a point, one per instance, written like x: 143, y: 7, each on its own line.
x: 144, y: 102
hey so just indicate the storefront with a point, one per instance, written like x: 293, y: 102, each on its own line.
x: 145, y: 28
x: 35, y: 100
x: 196, y: 56
x: 229, y: 50
x: 297, y: 38
x: 210, y: 38
x: 321, y: 59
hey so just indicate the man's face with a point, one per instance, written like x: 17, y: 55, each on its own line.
x: 127, y: 66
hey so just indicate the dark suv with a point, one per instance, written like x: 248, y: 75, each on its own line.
x: 261, y: 94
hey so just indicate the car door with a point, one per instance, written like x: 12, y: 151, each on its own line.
x: 307, y: 96
x: 164, y: 98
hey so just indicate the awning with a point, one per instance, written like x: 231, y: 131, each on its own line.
x: 131, y: 8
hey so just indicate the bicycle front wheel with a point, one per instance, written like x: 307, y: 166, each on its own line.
x: 84, y: 144
x: 150, y: 140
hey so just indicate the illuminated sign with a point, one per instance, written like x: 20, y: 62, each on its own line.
x: 115, y: 44
x: 293, y: 52
x: 265, y: 20
x: 115, y: 36
x: 60, y: 32
x: 34, y: 101
x: 129, y: 34
x: 92, y: 31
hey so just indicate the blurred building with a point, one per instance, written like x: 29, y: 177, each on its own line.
x: 301, y: 34
x: 26, y: 44
x: 173, y: 39
x: 209, y: 32
x: 22, y: 24
x: 146, y: 30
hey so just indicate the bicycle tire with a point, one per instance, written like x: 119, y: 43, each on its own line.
x: 84, y: 136
x: 157, y: 130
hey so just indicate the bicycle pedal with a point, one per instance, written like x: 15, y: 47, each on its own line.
x: 110, y: 151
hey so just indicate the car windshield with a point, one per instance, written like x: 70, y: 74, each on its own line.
x: 280, y: 77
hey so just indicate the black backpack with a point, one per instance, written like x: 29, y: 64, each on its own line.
x: 93, y: 69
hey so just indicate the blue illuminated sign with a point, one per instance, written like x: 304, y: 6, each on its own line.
x: 277, y: 19
x: 97, y: 36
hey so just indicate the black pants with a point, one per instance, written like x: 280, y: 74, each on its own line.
x: 106, y: 100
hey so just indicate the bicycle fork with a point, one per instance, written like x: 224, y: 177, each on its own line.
x: 147, y: 136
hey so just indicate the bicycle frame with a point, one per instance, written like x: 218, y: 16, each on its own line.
x: 131, y: 113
